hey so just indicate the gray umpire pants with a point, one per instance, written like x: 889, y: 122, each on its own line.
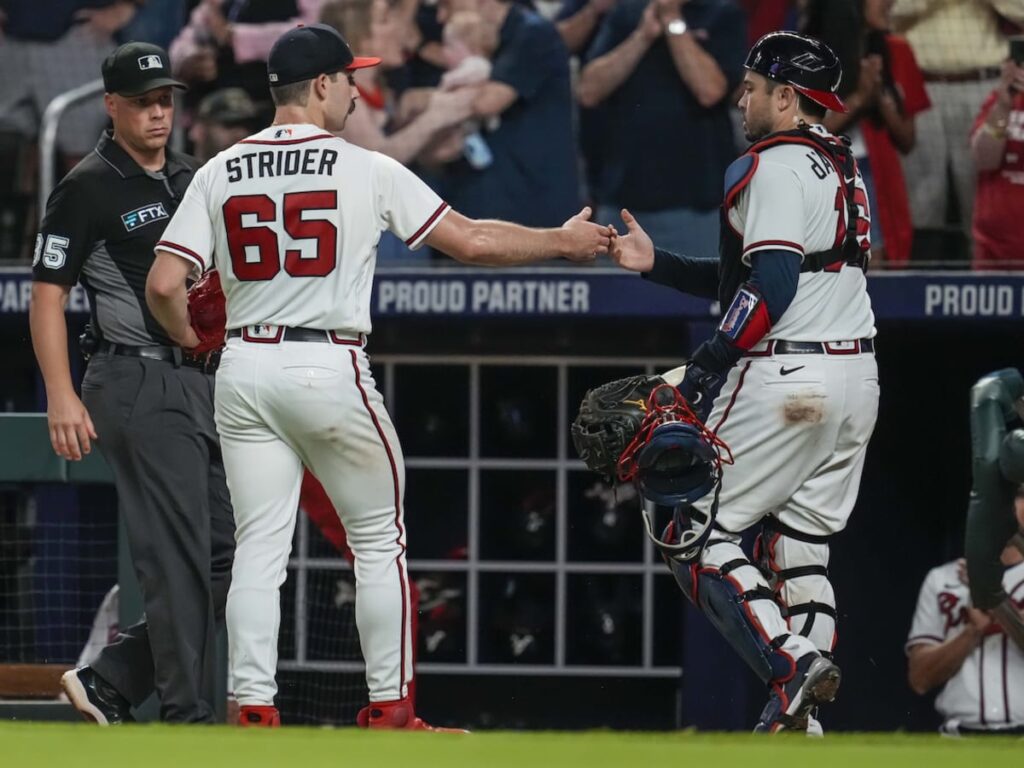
x: 156, y: 431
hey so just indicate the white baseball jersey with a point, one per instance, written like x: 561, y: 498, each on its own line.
x: 988, y: 690
x: 291, y: 218
x: 287, y: 218
x: 794, y: 202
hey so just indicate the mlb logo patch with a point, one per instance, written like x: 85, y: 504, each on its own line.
x: 150, y: 62
x: 262, y: 331
x: 282, y: 132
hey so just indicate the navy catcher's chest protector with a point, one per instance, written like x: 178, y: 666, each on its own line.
x: 732, y: 272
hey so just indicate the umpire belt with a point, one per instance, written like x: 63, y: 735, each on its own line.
x: 175, y: 355
x: 275, y: 334
x: 780, y: 347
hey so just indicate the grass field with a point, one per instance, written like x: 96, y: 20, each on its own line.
x: 44, y: 744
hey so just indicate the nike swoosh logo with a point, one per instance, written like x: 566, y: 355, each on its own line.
x: 784, y: 371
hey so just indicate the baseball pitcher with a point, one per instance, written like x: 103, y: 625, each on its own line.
x: 291, y: 217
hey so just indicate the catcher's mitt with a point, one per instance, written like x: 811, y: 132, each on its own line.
x: 207, y: 311
x: 610, y: 417
x: 642, y: 430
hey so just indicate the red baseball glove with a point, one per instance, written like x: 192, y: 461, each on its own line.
x: 207, y: 312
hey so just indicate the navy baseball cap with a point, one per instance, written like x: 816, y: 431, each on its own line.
x: 135, y: 68
x: 309, y: 51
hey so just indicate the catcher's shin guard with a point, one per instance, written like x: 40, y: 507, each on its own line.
x: 796, y: 565
x: 733, y: 594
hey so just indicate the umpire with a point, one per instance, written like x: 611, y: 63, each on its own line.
x: 148, y: 407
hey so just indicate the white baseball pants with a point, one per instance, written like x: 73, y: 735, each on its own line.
x: 798, y: 427
x: 279, y: 406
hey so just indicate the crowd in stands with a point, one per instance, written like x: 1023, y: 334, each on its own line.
x: 524, y: 109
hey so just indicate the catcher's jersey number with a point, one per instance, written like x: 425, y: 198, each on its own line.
x: 255, y: 250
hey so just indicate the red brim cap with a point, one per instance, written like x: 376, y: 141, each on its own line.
x: 827, y: 99
x: 361, y: 62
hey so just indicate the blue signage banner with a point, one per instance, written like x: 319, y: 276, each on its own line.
x: 602, y: 292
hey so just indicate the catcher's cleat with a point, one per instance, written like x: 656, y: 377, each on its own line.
x: 259, y: 717
x: 396, y: 715
x: 815, y: 682
x: 96, y: 700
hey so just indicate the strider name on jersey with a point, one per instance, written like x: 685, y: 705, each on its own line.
x: 291, y: 218
x: 314, y: 161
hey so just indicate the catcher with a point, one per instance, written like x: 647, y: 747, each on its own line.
x: 788, y: 381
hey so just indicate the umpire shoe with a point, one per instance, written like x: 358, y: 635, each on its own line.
x: 396, y: 715
x: 259, y: 717
x: 97, y: 700
x: 815, y: 682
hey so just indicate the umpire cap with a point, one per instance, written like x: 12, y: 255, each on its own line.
x: 136, y: 68
x: 807, y: 64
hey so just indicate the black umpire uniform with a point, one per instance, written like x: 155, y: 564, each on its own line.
x: 152, y: 408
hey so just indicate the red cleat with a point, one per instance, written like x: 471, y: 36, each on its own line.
x: 259, y: 717
x: 397, y: 715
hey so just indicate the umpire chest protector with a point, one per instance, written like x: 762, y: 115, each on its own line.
x: 732, y: 271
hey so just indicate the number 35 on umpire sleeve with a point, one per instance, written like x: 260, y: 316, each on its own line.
x: 54, y: 253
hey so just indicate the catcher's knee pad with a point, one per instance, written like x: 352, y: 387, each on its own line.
x: 796, y: 565
x: 733, y: 594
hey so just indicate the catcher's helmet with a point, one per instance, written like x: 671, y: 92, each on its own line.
x: 807, y: 64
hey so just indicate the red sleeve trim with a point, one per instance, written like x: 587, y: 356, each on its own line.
x: 181, y: 250
x: 774, y: 243
x: 427, y: 224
